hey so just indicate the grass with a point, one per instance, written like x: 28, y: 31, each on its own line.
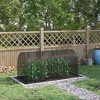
x: 93, y: 83
x: 10, y: 90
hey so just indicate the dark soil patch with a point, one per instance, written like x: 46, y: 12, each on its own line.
x: 24, y: 79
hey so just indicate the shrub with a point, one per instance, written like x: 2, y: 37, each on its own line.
x: 34, y: 70
x: 42, y: 70
x: 57, y: 67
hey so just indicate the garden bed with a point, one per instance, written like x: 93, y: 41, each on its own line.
x: 47, y: 66
x: 49, y: 82
x: 24, y: 79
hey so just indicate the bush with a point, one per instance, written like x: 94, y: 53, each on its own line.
x: 57, y: 67
x: 34, y: 70
x: 42, y: 70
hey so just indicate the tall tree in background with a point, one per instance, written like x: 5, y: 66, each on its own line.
x: 9, y: 15
x: 50, y: 14
x: 87, y: 12
x: 61, y: 14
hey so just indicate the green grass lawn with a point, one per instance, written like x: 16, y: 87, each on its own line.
x: 93, y: 83
x: 10, y: 90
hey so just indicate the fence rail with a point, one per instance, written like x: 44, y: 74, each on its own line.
x: 51, y: 38
x: 13, y: 43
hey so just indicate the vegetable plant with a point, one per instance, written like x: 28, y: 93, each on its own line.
x: 41, y: 70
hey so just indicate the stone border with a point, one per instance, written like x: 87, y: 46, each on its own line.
x: 68, y: 80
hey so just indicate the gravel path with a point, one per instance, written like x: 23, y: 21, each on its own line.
x: 83, y: 94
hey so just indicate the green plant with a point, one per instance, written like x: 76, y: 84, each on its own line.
x: 57, y: 67
x: 41, y: 70
x: 34, y: 70
x: 26, y: 70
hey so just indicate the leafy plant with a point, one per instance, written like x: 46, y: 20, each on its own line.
x: 26, y: 70
x: 57, y: 67
x: 41, y: 70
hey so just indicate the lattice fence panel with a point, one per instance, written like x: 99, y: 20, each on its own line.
x: 19, y: 40
x: 94, y: 37
x: 63, y: 38
x: 80, y: 37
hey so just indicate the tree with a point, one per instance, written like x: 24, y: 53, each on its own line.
x: 87, y: 12
x: 50, y: 14
x: 9, y: 14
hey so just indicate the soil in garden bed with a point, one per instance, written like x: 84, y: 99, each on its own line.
x: 24, y: 79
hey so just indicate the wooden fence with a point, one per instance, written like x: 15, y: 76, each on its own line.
x: 13, y: 43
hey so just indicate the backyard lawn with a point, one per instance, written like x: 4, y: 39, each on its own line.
x: 93, y: 83
x: 9, y: 90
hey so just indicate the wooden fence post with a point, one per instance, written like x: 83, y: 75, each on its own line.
x: 41, y: 39
x: 87, y: 39
x: 41, y: 42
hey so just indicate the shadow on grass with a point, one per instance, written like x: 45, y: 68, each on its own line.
x: 90, y: 71
x: 7, y: 81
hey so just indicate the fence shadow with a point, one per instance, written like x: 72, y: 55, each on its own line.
x: 7, y: 81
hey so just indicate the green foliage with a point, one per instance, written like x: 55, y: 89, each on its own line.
x: 62, y: 14
x: 41, y: 70
x: 49, y: 14
x: 52, y: 14
x: 34, y: 70
x: 87, y: 13
x: 10, y: 11
x: 57, y: 67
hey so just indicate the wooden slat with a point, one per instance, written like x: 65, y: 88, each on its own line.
x: 21, y: 32
x: 65, y: 31
x: 94, y: 30
x: 18, y: 49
